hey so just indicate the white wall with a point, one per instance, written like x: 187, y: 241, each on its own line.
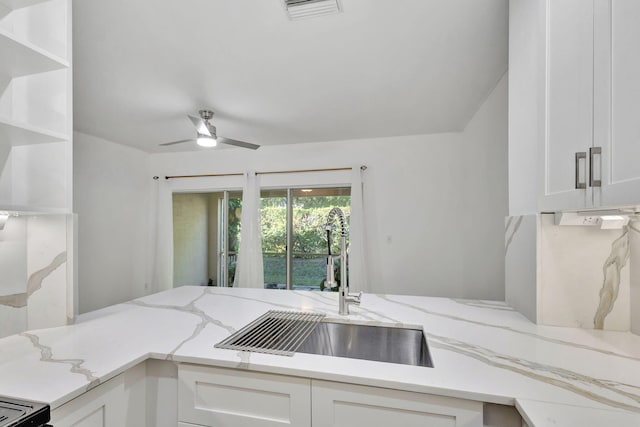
x: 112, y: 188
x: 435, y: 204
x: 486, y: 194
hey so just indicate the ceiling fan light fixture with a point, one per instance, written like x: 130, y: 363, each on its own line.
x: 206, y: 141
x: 207, y: 134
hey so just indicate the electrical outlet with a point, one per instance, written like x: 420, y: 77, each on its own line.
x: 591, y: 220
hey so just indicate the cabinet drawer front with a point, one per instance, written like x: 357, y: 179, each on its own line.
x: 223, y: 397
x: 343, y: 405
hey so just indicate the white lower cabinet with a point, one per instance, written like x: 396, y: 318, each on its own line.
x: 344, y: 405
x: 116, y: 403
x: 225, y: 397
x: 96, y: 408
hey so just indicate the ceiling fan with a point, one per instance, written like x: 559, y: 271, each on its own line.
x: 206, y: 134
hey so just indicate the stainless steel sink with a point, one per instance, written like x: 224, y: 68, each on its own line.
x: 378, y: 343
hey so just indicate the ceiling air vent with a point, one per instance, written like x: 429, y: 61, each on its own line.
x: 302, y: 9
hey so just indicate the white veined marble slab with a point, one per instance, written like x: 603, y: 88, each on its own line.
x: 482, y: 350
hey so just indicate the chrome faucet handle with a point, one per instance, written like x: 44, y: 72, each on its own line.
x: 354, y: 298
x: 359, y: 297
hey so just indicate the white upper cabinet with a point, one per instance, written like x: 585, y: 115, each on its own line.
x: 617, y: 91
x: 573, y: 104
x: 569, y: 102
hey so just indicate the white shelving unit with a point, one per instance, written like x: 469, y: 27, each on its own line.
x: 35, y: 106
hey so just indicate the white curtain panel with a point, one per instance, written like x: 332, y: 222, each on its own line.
x: 161, y: 262
x: 358, y: 277
x: 249, y: 268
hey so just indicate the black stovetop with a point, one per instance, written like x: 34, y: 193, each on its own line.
x: 22, y: 413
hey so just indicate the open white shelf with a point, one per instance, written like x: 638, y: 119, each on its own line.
x: 18, y: 4
x: 32, y: 210
x: 21, y: 57
x: 17, y: 133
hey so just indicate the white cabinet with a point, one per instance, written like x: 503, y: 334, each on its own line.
x: 35, y: 106
x: 344, y: 405
x: 617, y: 90
x: 99, y: 407
x: 573, y: 104
x: 224, y: 397
x: 116, y: 403
x: 569, y: 103
x: 210, y: 396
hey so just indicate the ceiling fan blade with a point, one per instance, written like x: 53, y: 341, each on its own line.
x: 200, y: 125
x: 177, y: 142
x: 235, y: 143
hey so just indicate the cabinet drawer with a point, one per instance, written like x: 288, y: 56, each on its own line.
x: 344, y: 405
x: 210, y: 396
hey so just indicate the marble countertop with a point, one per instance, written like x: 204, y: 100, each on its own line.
x: 482, y: 350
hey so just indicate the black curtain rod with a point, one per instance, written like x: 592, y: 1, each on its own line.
x: 258, y: 173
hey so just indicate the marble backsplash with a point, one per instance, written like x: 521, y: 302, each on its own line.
x: 36, y: 286
x: 571, y: 275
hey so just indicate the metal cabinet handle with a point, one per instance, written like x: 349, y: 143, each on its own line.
x: 580, y: 185
x: 595, y: 151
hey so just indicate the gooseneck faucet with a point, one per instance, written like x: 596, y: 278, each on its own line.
x: 343, y: 291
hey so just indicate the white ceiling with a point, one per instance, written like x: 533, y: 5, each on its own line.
x: 380, y: 68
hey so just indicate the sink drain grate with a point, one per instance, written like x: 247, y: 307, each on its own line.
x: 275, y: 332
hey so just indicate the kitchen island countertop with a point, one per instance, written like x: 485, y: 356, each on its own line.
x: 482, y: 350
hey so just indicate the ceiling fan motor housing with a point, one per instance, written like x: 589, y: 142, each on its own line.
x: 206, y: 114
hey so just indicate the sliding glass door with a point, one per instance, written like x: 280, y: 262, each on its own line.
x: 207, y: 232
x: 309, y: 240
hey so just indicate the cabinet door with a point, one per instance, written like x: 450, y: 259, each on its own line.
x: 569, y: 102
x: 617, y: 114
x: 100, y: 407
x: 225, y: 397
x: 118, y: 402
x: 345, y: 405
